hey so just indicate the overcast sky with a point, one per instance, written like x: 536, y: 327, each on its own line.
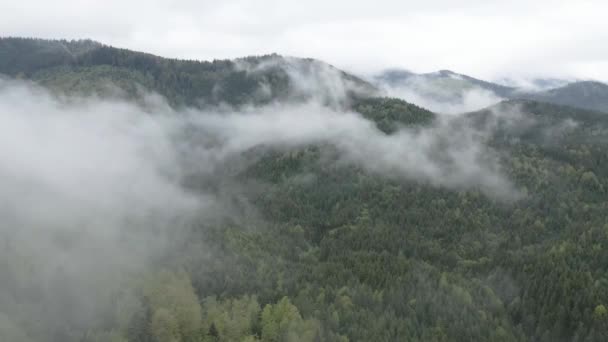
x: 483, y: 38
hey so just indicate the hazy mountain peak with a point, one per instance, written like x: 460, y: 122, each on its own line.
x: 448, y: 73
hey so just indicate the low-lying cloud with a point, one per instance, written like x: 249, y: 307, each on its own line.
x: 445, y: 96
x: 442, y: 155
x: 89, y: 188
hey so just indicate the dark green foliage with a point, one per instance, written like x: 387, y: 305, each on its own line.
x: 389, y: 114
x: 101, y: 80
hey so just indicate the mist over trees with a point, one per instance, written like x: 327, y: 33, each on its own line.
x: 281, y: 199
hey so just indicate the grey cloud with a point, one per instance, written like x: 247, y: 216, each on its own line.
x: 473, y: 37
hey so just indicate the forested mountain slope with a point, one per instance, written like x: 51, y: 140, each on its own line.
x: 327, y: 216
x: 387, y: 260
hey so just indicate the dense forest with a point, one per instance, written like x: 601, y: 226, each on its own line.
x: 318, y: 249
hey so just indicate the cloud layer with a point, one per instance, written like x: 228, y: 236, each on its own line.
x: 564, y: 38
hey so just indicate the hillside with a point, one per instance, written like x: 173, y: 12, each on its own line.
x: 308, y: 210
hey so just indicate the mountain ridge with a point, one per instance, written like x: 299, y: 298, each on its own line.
x: 84, y: 65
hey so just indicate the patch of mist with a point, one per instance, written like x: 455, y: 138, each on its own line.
x: 453, y: 96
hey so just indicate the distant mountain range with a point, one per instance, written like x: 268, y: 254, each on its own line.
x: 442, y: 78
x: 448, y: 87
x: 537, y: 84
